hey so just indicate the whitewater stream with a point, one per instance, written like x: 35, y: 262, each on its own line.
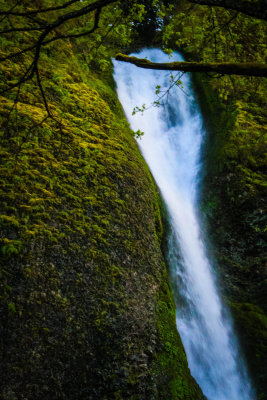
x: 171, y: 146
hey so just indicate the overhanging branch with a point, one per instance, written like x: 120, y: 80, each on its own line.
x: 34, y: 12
x: 247, y: 69
x: 46, y: 28
x: 255, y: 8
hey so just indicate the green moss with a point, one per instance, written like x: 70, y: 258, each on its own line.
x: 83, y: 282
x: 233, y: 202
x: 173, y: 373
x: 251, y: 322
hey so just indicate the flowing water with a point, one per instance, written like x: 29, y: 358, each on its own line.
x: 171, y: 146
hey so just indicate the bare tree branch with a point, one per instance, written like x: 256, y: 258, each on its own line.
x: 17, y: 53
x: 42, y: 91
x: 255, y: 8
x: 33, y: 68
x: 62, y: 19
x: 8, y: 12
x: 34, y: 12
x: 11, y: 30
x: 249, y: 69
x: 25, y: 77
x: 77, y: 35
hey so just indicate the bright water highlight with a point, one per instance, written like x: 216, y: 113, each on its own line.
x: 171, y: 147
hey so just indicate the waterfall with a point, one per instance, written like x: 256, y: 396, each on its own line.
x: 171, y: 146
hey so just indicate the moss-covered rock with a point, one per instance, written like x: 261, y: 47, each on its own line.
x: 234, y: 202
x: 251, y: 324
x: 86, y: 310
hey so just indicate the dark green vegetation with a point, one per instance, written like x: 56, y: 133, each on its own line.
x: 235, y: 182
x: 254, y: 8
x: 234, y: 201
x: 86, y: 309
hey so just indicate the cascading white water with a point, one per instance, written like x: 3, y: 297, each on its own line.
x: 171, y: 146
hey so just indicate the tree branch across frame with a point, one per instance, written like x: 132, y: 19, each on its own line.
x: 247, y: 69
x: 46, y: 33
x: 256, y: 9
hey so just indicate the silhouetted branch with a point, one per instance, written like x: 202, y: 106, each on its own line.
x: 17, y: 53
x: 34, y: 12
x: 26, y: 29
x: 77, y: 35
x: 42, y: 40
x: 255, y: 8
x: 25, y: 77
x: 8, y: 12
x: 42, y: 91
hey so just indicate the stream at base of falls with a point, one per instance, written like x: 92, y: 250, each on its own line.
x: 171, y: 146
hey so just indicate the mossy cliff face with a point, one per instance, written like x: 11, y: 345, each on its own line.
x: 86, y: 309
x: 234, y: 202
x: 235, y: 184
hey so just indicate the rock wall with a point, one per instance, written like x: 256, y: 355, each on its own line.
x: 86, y: 308
x: 234, y: 202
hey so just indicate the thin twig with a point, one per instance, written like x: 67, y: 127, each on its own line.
x: 8, y: 13
x: 11, y: 30
x: 18, y: 14
x: 42, y: 90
